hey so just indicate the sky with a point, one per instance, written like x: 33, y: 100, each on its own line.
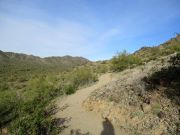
x: 94, y: 29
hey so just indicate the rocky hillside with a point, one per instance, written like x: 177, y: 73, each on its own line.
x: 151, y: 53
x: 141, y: 101
x: 145, y: 100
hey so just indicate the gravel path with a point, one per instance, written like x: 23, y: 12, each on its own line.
x: 81, y: 119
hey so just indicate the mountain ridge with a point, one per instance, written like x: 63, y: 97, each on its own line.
x: 19, y: 61
x: 23, y: 55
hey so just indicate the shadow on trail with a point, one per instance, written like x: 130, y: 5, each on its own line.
x: 108, y: 128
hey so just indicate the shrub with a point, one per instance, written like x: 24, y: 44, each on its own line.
x: 28, y: 111
x: 138, y: 114
x: 4, y: 86
x: 102, y: 68
x: 174, y: 48
x: 69, y: 89
x: 38, y: 123
x: 124, y: 60
x: 7, y: 107
x: 154, y: 53
x: 82, y: 76
x: 25, y: 95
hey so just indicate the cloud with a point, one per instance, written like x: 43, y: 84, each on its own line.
x: 44, y: 39
x: 91, y: 29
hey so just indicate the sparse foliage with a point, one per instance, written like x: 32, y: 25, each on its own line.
x: 124, y: 60
x: 25, y: 94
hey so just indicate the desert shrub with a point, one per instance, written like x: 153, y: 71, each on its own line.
x: 170, y: 49
x: 23, y: 110
x: 124, y: 60
x: 69, y: 89
x: 138, y: 114
x: 174, y: 48
x: 154, y: 53
x: 27, y: 89
x: 102, y: 68
x: 23, y: 79
x: 82, y: 76
x: 4, y: 86
x: 8, y: 103
x: 38, y: 123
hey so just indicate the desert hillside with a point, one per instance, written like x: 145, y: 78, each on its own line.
x: 20, y: 61
x: 143, y: 100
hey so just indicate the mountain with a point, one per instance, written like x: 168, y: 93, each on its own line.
x: 66, y: 60
x: 3, y: 56
x: 18, y: 61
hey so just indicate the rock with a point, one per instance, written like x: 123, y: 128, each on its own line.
x: 146, y: 108
x: 132, y: 103
x: 147, y: 100
x: 161, y: 114
x: 4, y: 131
x: 78, y: 132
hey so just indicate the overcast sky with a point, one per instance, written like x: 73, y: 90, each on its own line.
x: 95, y: 29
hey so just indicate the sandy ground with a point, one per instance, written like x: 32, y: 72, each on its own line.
x: 79, y: 118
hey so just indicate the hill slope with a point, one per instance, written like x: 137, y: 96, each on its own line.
x: 152, y: 53
x: 146, y: 98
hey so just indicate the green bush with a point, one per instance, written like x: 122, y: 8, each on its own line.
x: 69, y: 89
x: 174, y: 48
x: 31, y: 117
x: 23, y: 108
x: 102, y: 68
x: 154, y: 53
x: 8, y: 103
x: 25, y: 94
x: 4, y: 86
x: 124, y: 60
x: 82, y: 76
x: 38, y: 123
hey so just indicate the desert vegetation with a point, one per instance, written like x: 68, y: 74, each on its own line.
x: 152, y: 53
x: 29, y: 84
x: 26, y: 93
x: 123, y: 61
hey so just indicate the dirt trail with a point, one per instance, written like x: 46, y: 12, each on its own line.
x: 81, y: 119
